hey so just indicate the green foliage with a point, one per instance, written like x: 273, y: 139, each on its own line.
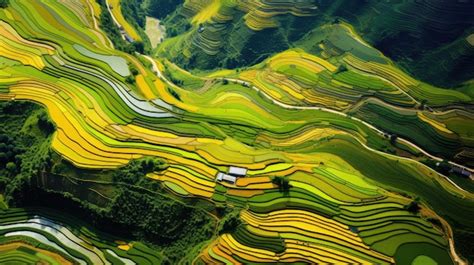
x: 442, y: 167
x: 165, y: 222
x: 439, y: 55
x: 137, y: 169
x: 11, y: 168
x: 133, y: 70
x: 341, y: 68
x: 464, y: 242
x: 160, y: 8
x: 4, y: 3
x: 113, y: 32
x: 283, y: 183
x: 132, y: 9
x: 174, y: 93
x: 138, y: 46
x: 24, y: 153
x: 393, y: 139
x: 45, y: 123
x: 413, y: 207
x: 130, y: 79
x: 230, y: 222
x: 135, y: 14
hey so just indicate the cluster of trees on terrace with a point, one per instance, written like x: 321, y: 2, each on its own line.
x: 136, y: 211
x: 113, y: 32
x: 25, y: 131
x: 4, y: 3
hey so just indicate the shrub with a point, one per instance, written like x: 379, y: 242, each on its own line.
x: 283, y: 183
x: 413, y: 207
x: 230, y: 222
x: 4, y: 3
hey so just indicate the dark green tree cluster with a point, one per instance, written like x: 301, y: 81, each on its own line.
x: 137, y: 169
x: 113, y: 32
x: 45, y: 124
x: 413, y: 206
x: 4, y: 3
x: 160, y: 8
x: 24, y: 147
x: 9, y: 155
x: 133, y: 9
x: 283, y: 183
x: 171, y: 225
x: 135, y: 14
x: 157, y: 219
x: 138, y: 210
x: 230, y: 222
x: 442, y: 167
x: 174, y: 93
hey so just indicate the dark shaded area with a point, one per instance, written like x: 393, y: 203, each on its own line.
x: 426, y: 37
x: 113, y: 32
x: 230, y: 222
x: 283, y: 183
x: 246, y: 237
x: 4, y: 3
x: 464, y: 242
x: 25, y: 130
x: 138, y: 209
x: 408, y: 252
x: 161, y: 8
x: 136, y: 170
x: 240, y: 46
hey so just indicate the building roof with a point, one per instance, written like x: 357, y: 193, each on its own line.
x: 229, y: 178
x: 238, y: 171
x: 461, y: 171
x: 222, y: 176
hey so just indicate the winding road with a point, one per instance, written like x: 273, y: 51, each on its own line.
x: 287, y: 106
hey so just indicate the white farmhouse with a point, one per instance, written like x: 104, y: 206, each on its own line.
x: 237, y: 171
x: 225, y: 177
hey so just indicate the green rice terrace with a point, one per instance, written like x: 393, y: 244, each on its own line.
x: 236, y: 132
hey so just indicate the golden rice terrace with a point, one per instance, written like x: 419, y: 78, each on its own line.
x: 245, y: 132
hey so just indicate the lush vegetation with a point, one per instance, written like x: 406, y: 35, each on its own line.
x: 257, y: 132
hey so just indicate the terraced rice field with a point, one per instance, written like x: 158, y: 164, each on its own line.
x: 320, y: 124
x: 27, y: 237
x: 118, y: 18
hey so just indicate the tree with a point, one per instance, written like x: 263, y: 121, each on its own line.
x: 423, y: 104
x: 130, y: 79
x: 133, y: 70
x: 4, y: 3
x: 138, y: 46
x: 342, y: 68
x: 11, y: 167
x: 230, y: 222
x: 283, y: 183
x: 45, y: 124
x: 413, y: 207
x: 161, y: 8
x: 153, y: 164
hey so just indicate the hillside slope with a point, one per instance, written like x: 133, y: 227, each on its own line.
x: 430, y: 39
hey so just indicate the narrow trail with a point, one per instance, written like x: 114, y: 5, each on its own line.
x: 287, y: 106
x: 283, y: 105
x: 344, y: 115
